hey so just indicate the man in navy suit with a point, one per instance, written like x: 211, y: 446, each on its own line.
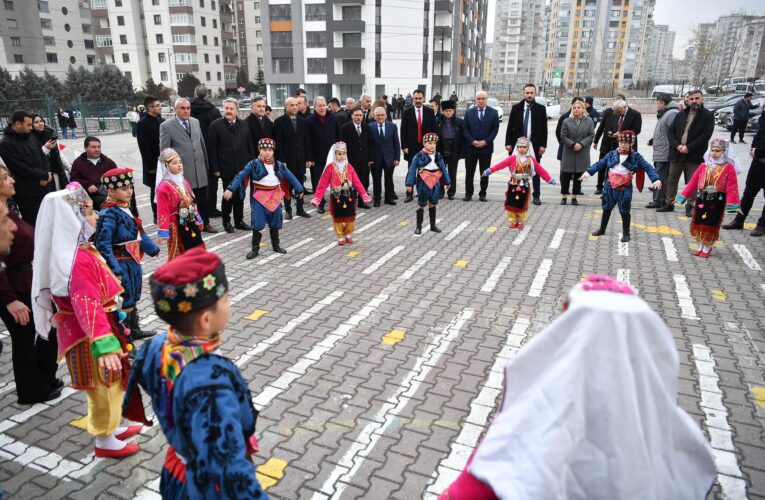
x: 480, y: 130
x: 386, y: 154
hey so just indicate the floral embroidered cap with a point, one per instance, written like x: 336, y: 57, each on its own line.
x: 266, y: 143
x: 627, y: 136
x: 191, y: 282
x: 117, y: 178
x: 430, y: 137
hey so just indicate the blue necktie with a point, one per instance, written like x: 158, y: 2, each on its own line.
x: 480, y: 115
x: 526, y: 117
x: 382, y: 133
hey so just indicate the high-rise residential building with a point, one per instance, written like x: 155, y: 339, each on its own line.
x: 595, y: 43
x: 727, y: 48
x: 659, y: 65
x: 519, y: 48
x: 488, y: 67
x: 751, y: 60
x: 249, y: 35
x: 346, y: 48
x: 46, y: 35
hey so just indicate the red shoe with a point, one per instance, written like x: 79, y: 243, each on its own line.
x: 697, y: 253
x: 131, y: 431
x: 519, y: 225
x: 129, y: 449
x: 348, y: 240
x: 705, y: 255
x: 513, y: 225
x: 341, y: 242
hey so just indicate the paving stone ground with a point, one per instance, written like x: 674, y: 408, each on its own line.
x: 377, y: 384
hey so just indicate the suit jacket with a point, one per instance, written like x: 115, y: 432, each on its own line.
x: 206, y: 112
x: 572, y: 133
x: 458, y: 148
x: 699, y: 133
x: 538, y: 126
x: 359, y: 147
x: 259, y: 128
x: 323, y: 136
x: 147, y: 134
x: 229, y: 149
x: 633, y: 120
x: 342, y: 117
x: 386, y: 149
x: 409, y: 129
x: 293, y: 145
x: 480, y: 130
x: 191, y: 148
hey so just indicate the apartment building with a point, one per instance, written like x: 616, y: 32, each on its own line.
x: 659, y: 63
x: 249, y: 37
x: 519, y: 43
x: 751, y: 58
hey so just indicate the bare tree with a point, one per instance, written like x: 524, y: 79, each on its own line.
x: 705, y: 45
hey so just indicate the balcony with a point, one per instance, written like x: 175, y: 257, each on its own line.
x: 357, y: 26
x: 348, y: 53
x: 442, y: 31
x: 443, y: 5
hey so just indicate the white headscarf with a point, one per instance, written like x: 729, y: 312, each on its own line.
x: 331, y: 158
x: 729, y: 155
x: 61, y: 227
x: 163, y: 173
x: 590, y: 412
x: 529, y: 152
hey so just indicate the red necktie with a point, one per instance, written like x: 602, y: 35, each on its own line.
x: 419, y: 127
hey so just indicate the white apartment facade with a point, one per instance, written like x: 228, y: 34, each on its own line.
x: 519, y: 44
x: 659, y: 62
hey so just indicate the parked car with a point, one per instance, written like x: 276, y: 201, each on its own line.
x: 493, y: 103
x: 165, y: 107
x: 552, y: 104
x: 597, y: 105
x: 723, y: 102
x: 724, y: 116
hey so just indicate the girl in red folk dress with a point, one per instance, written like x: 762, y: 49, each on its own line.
x: 523, y: 166
x: 178, y: 220
x: 344, y: 187
x: 717, y: 186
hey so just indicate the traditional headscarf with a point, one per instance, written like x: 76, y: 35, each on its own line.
x: 332, y: 159
x: 590, y: 409
x: 61, y: 227
x: 729, y: 154
x: 529, y: 153
x: 163, y: 173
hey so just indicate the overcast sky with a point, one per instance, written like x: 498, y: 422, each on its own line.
x: 678, y: 16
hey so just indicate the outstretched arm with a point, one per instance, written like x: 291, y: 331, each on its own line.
x: 318, y: 195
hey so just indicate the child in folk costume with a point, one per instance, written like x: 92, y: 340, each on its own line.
x: 717, y: 186
x: 199, y: 397
x: 426, y: 170
x: 178, y: 219
x: 71, y: 273
x: 344, y: 188
x: 266, y: 178
x: 622, y: 164
x: 121, y: 240
x: 523, y: 166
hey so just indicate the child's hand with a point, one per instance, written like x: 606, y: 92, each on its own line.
x: 680, y: 199
x: 486, y: 173
x: 446, y: 188
x: 553, y: 181
x: 584, y: 176
x: 315, y: 202
x: 657, y: 185
x: 227, y: 194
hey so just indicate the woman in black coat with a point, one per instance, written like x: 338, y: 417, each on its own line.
x: 58, y: 164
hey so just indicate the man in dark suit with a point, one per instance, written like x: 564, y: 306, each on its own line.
x: 230, y: 148
x: 324, y: 132
x: 206, y: 113
x: 357, y: 136
x: 415, y: 122
x: 480, y: 129
x: 386, y: 154
x: 344, y: 115
x: 451, y: 143
x: 147, y: 134
x: 293, y: 147
x: 260, y: 125
x: 528, y: 119
x: 621, y: 117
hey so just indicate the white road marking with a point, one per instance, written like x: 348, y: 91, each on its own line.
x: 684, y: 298
x: 373, y: 223
x: 669, y: 249
x: 358, y: 216
x: 480, y: 409
x: 541, y: 277
x: 289, y: 249
x: 355, y: 456
x: 306, y: 361
x: 557, y: 239
x: 457, y: 230
x: 308, y: 258
x: 382, y: 260
x: 522, y: 235
x: 4, y: 334
x: 279, y: 334
x: 496, y: 274
x: 148, y: 319
x: 244, y: 294
x: 623, y: 275
x: 624, y: 248
x: 729, y: 473
x: 7, y: 386
x: 747, y: 257
x: 230, y: 242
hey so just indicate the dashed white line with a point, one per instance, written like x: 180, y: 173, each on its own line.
x: 669, y: 249
x: 290, y: 326
x: 624, y: 248
x: 373, y: 223
x: 355, y: 456
x: 457, y: 230
x: 148, y: 319
x: 557, y: 238
x: 747, y: 257
x: 729, y: 473
x: 623, y: 275
x: 244, y: 294
x: 496, y: 274
x: 382, y: 260
x: 308, y: 258
x: 480, y: 409
x: 540, y: 278
x: 271, y: 257
x: 230, y: 242
x: 684, y: 298
x: 521, y: 236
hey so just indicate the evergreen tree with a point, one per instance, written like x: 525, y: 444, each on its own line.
x: 32, y: 85
x: 151, y: 88
x: 260, y: 81
x: 54, y: 89
x: 187, y: 84
x: 9, y: 86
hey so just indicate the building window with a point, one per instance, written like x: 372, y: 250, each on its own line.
x: 281, y: 65
x: 8, y: 5
x: 123, y: 39
x: 317, y: 66
x: 86, y: 28
x: 103, y: 22
x: 11, y: 23
x: 18, y: 58
x: 218, y: 74
x: 182, y: 20
x: 155, y: 2
x: 103, y: 41
x: 49, y: 41
x: 43, y: 7
x: 281, y: 39
x: 257, y: 19
x: 162, y: 57
x: 185, y: 39
x: 351, y: 66
x: 207, y: 58
x: 125, y: 58
x: 52, y: 57
x: 15, y: 41
x: 315, y: 12
x: 120, y: 20
x: 91, y: 60
x: 46, y: 24
x: 215, y: 41
x: 160, y: 39
x: 207, y: 76
x: 129, y: 74
x: 89, y: 44
x: 215, y: 24
x: 67, y: 28
x: 203, y: 21
x: 280, y: 12
x: 185, y: 58
x: 352, y: 13
x: 204, y: 39
x: 201, y: 4
x: 157, y: 20
x: 217, y: 58
x: 118, y: 3
x: 351, y: 39
x: 163, y: 76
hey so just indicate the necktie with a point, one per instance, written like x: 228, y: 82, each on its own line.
x: 294, y: 123
x: 621, y: 120
x: 186, y: 126
x: 480, y: 114
x: 419, y: 126
x: 358, y: 130
x: 526, y: 120
x: 382, y: 132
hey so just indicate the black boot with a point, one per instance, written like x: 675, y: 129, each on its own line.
x: 420, y: 217
x: 626, y: 227
x: 432, y: 216
x: 603, y: 223
x: 256, y: 236
x: 135, y: 328
x: 275, y: 241
x: 320, y: 208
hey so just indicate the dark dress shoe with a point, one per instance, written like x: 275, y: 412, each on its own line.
x: 209, y: 229
x: 563, y: 201
x: 241, y: 225
x: 482, y: 198
x: 390, y: 202
x: 394, y: 196
x: 376, y: 203
x: 409, y: 198
x: 320, y: 209
x: 598, y: 192
x: 574, y: 202
x: 653, y: 204
x: 216, y: 213
x: 758, y: 231
x: 143, y: 334
x: 467, y: 198
x: 228, y: 227
x: 364, y: 206
x: 303, y: 213
x: 288, y: 215
x: 537, y: 201
x: 734, y: 224
x: 450, y: 196
x: 688, y: 210
x: 666, y: 208
x: 579, y: 193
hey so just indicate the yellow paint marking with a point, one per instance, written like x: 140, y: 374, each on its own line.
x: 353, y: 253
x: 461, y: 263
x: 393, y: 337
x: 598, y: 211
x: 80, y: 423
x: 271, y: 472
x: 683, y: 217
x: 750, y: 226
x: 491, y: 229
x: 759, y: 396
x: 719, y: 295
x: 403, y: 223
x: 262, y: 244
x: 592, y: 238
x: 326, y: 217
x: 658, y: 229
x: 256, y: 314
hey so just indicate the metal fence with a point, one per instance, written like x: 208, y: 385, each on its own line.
x: 90, y: 117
